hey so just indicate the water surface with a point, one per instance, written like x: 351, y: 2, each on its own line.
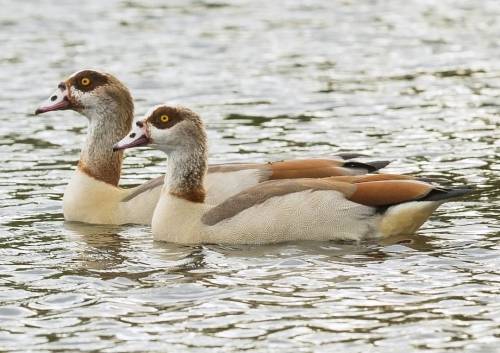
x: 417, y: 83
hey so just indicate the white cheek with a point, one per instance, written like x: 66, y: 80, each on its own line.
x: 158, y: 136
x: 163, y: 139
x: 92, y: 103
x: 88, y: 100
x: 76, y: 94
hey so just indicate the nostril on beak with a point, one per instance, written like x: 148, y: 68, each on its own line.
x: 139, y: 123
x: 132, y: 135
x: 53, y: 98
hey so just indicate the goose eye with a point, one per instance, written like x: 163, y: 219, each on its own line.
x: 164, y: 118
x: 85, y: 81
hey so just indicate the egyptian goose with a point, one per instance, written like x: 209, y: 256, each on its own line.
x: 350, y: 208
x: 93, y: 195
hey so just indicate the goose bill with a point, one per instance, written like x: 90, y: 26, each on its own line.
x: 138, y: 137
x: 59, y: 100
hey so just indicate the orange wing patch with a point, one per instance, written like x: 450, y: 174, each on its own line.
x: 307, y: 168
x: 389, y: 192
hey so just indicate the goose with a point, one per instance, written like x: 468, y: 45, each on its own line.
x: 93, y: 194
x: 348, y: 207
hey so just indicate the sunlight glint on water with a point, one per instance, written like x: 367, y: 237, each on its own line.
x: 417, y: 83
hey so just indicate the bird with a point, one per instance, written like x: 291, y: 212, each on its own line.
x: 331, y: 208
x: 93, y: 194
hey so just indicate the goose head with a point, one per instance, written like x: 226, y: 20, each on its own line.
x: 91, y: 93
x: 167, y: 128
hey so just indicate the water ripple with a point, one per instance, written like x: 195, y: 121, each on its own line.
x: 416, y: 84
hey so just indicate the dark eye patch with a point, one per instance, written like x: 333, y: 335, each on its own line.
x: 88, y: 80
x: 173, y: 118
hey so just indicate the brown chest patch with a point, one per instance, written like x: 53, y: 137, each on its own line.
x: 109, y: 173
x: 194, y: 195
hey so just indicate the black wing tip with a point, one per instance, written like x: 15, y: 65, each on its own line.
x: 439, y: 194
x: 350, y: 155
x: 432, y: 180
x: 369, y: 166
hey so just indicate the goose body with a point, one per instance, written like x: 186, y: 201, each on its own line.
x: 93, y: 194
x: 340, y: 207
x: 90, y: 200
x: 306, y: 215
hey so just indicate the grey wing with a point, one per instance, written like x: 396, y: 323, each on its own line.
x: 261, y: 192
x: 234, y: 167
x: 216, y: 168
x: 148, y: 185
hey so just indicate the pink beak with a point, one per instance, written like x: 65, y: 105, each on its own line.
x: 59, y: 100
x: 139, y: 136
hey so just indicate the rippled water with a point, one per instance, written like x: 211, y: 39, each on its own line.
x: 417, y: 82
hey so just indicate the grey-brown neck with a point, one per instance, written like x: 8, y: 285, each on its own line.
x: 186, y: 169
x: 109, y: 122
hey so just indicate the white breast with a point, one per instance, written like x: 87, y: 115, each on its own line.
x: 89, y: 200
x: 92, y: 201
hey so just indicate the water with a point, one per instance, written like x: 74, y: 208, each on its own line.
x: 417, y: 83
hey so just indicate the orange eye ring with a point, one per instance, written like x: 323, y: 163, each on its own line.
x: 85, y: 81
x: 164, y: 118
